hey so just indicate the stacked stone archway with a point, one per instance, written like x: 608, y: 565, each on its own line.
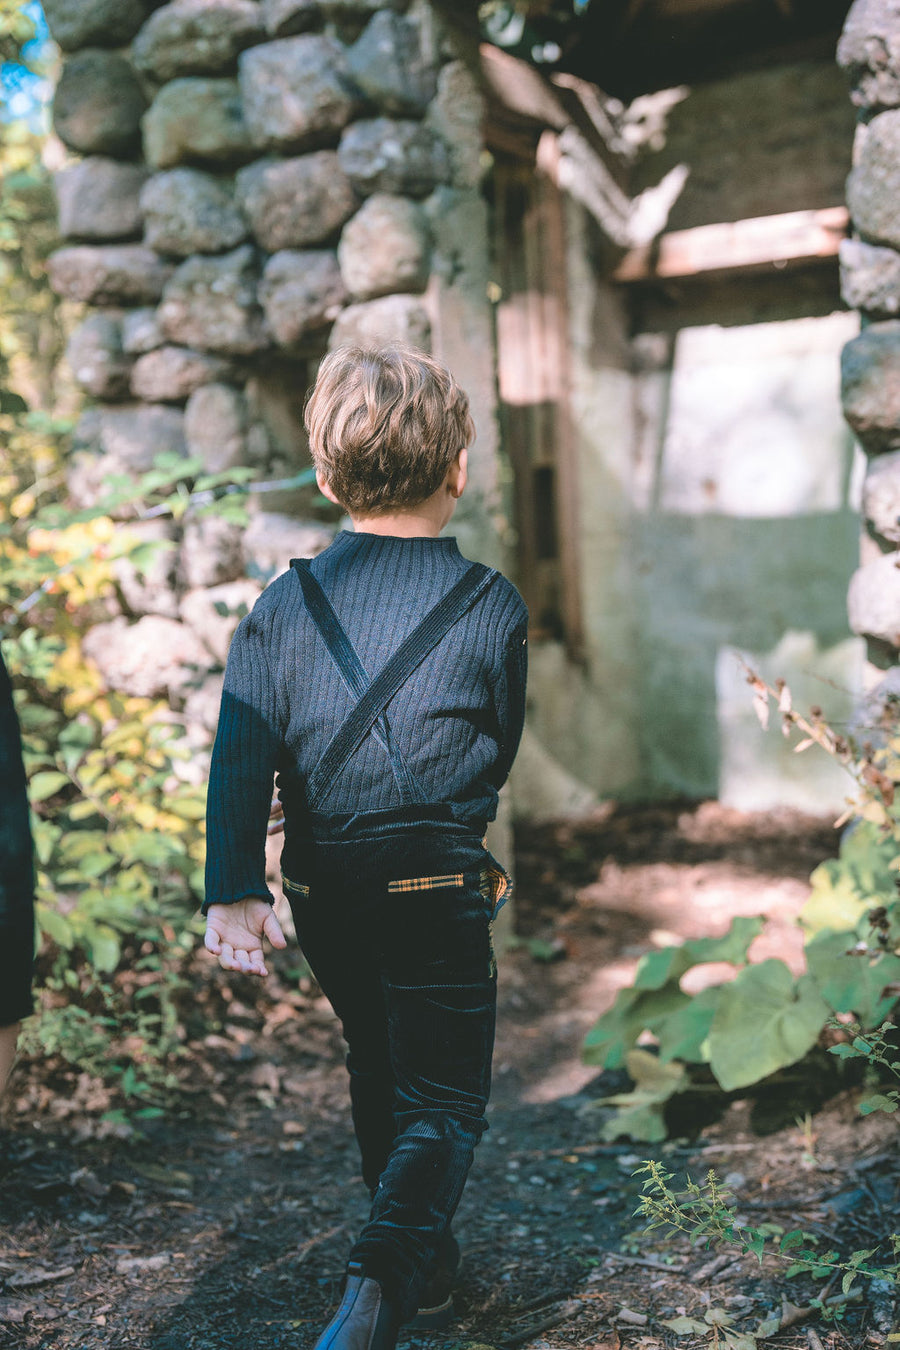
x: 259, y: 180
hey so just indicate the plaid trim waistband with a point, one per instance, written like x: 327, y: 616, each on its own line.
x: 425, y: 883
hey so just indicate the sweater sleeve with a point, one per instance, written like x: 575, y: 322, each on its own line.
x: 510, y: 698
x: 244, y: 759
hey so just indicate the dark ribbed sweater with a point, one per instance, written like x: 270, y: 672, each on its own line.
x: 456, y: 721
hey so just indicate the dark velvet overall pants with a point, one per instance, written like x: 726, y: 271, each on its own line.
x: 393, y: 913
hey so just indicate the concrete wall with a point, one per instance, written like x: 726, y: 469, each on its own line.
x: 719, y: 486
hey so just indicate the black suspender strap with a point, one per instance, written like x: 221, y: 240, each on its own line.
x: 396, y: 671
x: 352, y: 671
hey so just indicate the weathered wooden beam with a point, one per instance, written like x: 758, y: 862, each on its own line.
x: 764, y: 241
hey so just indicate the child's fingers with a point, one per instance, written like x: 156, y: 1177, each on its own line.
x: 211, y: 941
x: 272, y: 930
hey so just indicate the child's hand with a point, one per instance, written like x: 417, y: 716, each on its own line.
x: 234, y: 934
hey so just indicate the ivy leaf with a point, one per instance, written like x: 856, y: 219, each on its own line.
x: 46, y: 784
x: 851, y: 983
x: 658, y: 968
x: 634, y: 1011
x: 878, y: 1102
x: 683, y: 1035
x: 642, y: 1115
x: 765, y: 1020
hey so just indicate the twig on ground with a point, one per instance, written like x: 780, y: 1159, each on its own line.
x: 796, y: 1315
x: 564, y: 1313
x: 812, y: 1340
x: 617, y: 1259
x: 713, y: 1267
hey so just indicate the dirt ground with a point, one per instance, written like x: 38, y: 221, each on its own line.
x: 227, y: 1223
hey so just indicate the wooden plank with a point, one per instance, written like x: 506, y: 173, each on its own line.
x: 796, y: 236
x: 520, y: 89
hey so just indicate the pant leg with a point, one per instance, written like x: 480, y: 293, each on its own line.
x: 439, y: 988
x: 335, y: 934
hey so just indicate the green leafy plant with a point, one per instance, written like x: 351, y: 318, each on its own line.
x: 707, y: 1214
x: 744, y: 1030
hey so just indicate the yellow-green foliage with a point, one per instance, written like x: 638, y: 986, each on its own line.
x: 766, y: 1018
x: 118, y: 838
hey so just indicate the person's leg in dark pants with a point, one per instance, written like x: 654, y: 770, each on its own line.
x: 439, y: 987
x: 335, y: 934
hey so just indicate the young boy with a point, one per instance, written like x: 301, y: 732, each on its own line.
x: 385, y: 682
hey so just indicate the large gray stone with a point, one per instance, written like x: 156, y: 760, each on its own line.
x: 94, y: 23
x: 202, y: 704
x: 873, y: 600
x: 385, y: 247
x: 171, y: 374
x: 881, y: 496
x: 381, y: 154
x: 357, y: 9
x: 292, y: 203
x: 195, y: 120
x: 211, y: 552
x: 272, y: 539
x: 152, y: 658
x: 873, y: 187
x: 297, y: 92
x: 869, y: 51
x: 393, y: 318
x: 196, y: 37
x: 187, y: 211
x: 210, y: 303
x: 456, y: 115
x: 217, y: 426
x: 141, y: 331
x: 119, y: 443
x: 99, y: 199
x: 286, y: 18
x: 135, y: 435
x: 98, y: 364
x: 870, y: 278
x: 301, y: 293
x: 148, y: 583
x: 98, y: 104
x: 214, y: 613
x: 108, y: 274
x: 389, y: 66
x: 870, y: 385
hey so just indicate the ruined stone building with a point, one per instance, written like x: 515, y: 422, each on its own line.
x: 643, y: 267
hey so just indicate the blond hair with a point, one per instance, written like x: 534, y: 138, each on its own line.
x: 385, y: 424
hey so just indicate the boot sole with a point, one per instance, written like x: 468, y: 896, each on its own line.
x: 433, y: 1319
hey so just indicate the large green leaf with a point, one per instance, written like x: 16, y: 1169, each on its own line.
x: 765, y: 1020
x: 684, y: 1034
x: 642, y: 1111
x: 845, y: 888
x: 851, y: 983
x: 670, y: 963
x: 634, y: 1011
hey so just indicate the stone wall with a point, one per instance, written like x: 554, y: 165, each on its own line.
x: 869, y: 52
x: 257, y: 180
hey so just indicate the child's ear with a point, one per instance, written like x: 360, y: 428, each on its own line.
x: 458, y: 474
x: 325, y: 489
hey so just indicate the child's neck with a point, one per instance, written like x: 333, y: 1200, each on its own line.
x: 416, y: 524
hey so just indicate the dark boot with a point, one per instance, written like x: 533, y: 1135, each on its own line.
x: 436, y: 1303
x: 366, y: 1320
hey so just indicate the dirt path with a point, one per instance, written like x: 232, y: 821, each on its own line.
x: 228, y: 1224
